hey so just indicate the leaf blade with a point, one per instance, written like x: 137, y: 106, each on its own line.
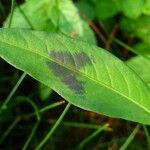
x: 82, y: 66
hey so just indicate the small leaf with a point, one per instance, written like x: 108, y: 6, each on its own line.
x: 107, y: 8
x: 86, y: 9
x: 85, y: 75
x: 132, y: 8
x: 146, y: 8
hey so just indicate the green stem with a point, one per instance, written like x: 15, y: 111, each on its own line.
x: 130, y: 138
x: 147, y: 136
x: 42, y: 110
x: 52, y: 130
x: 90, y: 137
x: 10, y: 128
x: 78, y: 125
x: 128, y: 47
x: 35, y: 107
x: 11, y: 12
x: 31, y: 135
x: 4, y: 105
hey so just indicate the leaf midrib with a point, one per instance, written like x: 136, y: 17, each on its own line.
x: 81, y: 73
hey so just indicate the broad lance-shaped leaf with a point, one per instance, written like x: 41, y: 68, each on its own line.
x: 85, y: 75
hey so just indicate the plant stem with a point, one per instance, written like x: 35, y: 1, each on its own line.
x: 90, y: 137
x: 11, y: 12
x: 6, y: 133
x: 130, y: 138
x: 52, y: 130
x: 42, y: 110
x: 78, y: 125
x: 35, y: 107
x: 147, y: 136
x: 4, y: 105
x: 119, y: 42
x: 31, y: 135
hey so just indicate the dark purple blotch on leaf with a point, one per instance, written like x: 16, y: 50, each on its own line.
x: 67, y: 76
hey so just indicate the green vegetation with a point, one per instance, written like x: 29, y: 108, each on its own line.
x: 68, y: 65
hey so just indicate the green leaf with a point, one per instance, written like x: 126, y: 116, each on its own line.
x: 132, y: 8
x: 138, y: 27
x: 86, y: 9
x: 37, y: 14
x: 107, y: 8
x: 141, y: 66
x: 52, y: 15
x: 146, y: 8
x: 87, y: 76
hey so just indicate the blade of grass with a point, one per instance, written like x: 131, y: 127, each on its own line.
x: 51, y: 106
x: 37, y: 123
x: 4, y: 105
x: 52, y: 130
x: 78, y: 125
x: 42, y: 110
x: 130, y: 138
x: 10, y: 128
x: 147, y: 136
x: 31, y: 135
x: 90, y: 137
